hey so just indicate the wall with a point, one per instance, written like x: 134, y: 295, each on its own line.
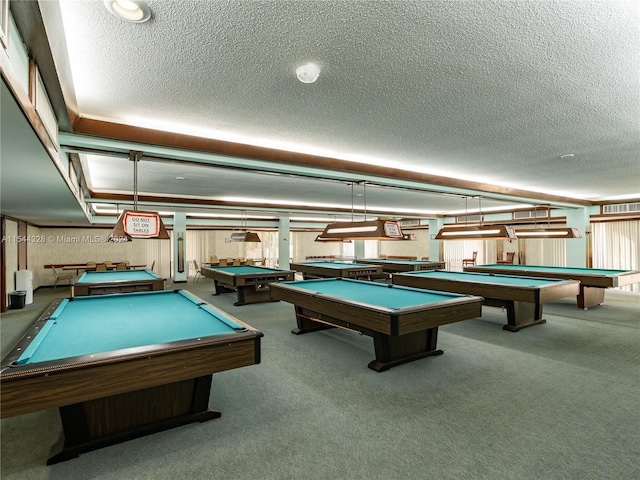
x: 415, y: 248
x: 304, y: 245
x: 76, y: 245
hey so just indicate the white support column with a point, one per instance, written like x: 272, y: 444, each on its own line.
x: 358, y: 248
x: 284, y: 243
x: 577, y: 247
x: 180, y: 262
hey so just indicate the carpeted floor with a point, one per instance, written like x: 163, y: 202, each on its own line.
x: 555, y: 401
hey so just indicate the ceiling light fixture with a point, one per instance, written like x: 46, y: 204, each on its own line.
x: 244, y: 235
x: 477, y: 232
x: 308, y: 73
x: 134, y: 11
x: 480, y: 232
x: 135, y: 223
x: 380, y: 229
x: 319, y: 238
x: 549, y: 232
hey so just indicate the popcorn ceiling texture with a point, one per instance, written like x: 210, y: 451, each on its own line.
x: 493, y: 91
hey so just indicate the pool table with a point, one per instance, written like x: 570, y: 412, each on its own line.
x: 593, y: 281
x: 396, y: 265
x: 334, y: 269
x: 250, y: 282
x: 523, y: 297
x: 123, y: 366
x: 403, y: 321
x: 116, y: 281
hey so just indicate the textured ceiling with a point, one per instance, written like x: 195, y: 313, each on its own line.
x: 489, y: 91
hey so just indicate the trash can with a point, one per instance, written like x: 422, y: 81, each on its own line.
x: 17, y: 299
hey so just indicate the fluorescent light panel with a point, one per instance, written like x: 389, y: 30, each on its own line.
x: 487, y: 232
x: 369, y: 230
x: 549, y: 233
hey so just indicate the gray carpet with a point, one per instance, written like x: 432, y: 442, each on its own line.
x: 555, y: 401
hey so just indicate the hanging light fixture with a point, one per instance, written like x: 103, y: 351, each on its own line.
x: 244, y: 235
x: 480, y: 232
x: 319, y: 238
x: 380, y: 229
x: 548, y: 231
x: 477, y: 232
x: 134, y: 223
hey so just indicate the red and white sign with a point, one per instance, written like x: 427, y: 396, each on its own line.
x: 141, y: 225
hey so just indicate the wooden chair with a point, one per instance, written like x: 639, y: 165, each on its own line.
x: 61, y: 277
x: 470, y: 261
x: 109, y: 265
x: 509, y: 260
x: 213, y: 258
x: 101, y: 267
x: 236, y: 261
x: 91, y: 265
x: 122, y: 266
x: 223, y: 262
x: 249, y: 261
x: 197, y: 273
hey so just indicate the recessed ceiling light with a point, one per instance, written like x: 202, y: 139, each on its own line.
x: 180, y: 178
x: 308, y: 73
x: 134, y: 11
x: 568, y: 155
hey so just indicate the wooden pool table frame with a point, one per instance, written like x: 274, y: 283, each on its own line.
x: 395, y: 266
x: 523, y: 303
x: 120, y: 286
x: 346, y: 270
x: 399, y: 335
x: 114, y: 396
x: 592, y: 286
x: 251, y: 287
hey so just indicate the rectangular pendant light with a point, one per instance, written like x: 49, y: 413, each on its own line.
x: 367, y: 230
x: 549, y: 233
x: 329, y: 240
x: 478, y: 232
x: 245, y: 237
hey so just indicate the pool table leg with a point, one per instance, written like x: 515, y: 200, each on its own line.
x: 519, y: 314
x: 522, y: 315
x: 256, y: 293
x: 106, y: 421
x: 590, y: 297
x: 394, y: 350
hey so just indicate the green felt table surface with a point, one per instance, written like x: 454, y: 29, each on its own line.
x: 336, y: 265
x: 515, y: 280
x: 245, y: 269
x: 391, y: 260
x: 94, y: 324
x: 116, y: 276
x: 371, y: 293
x: 542, y: 268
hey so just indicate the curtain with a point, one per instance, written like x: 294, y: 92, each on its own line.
x: 457, y: 250
x: 542, y: 251
x: 616, y: 245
